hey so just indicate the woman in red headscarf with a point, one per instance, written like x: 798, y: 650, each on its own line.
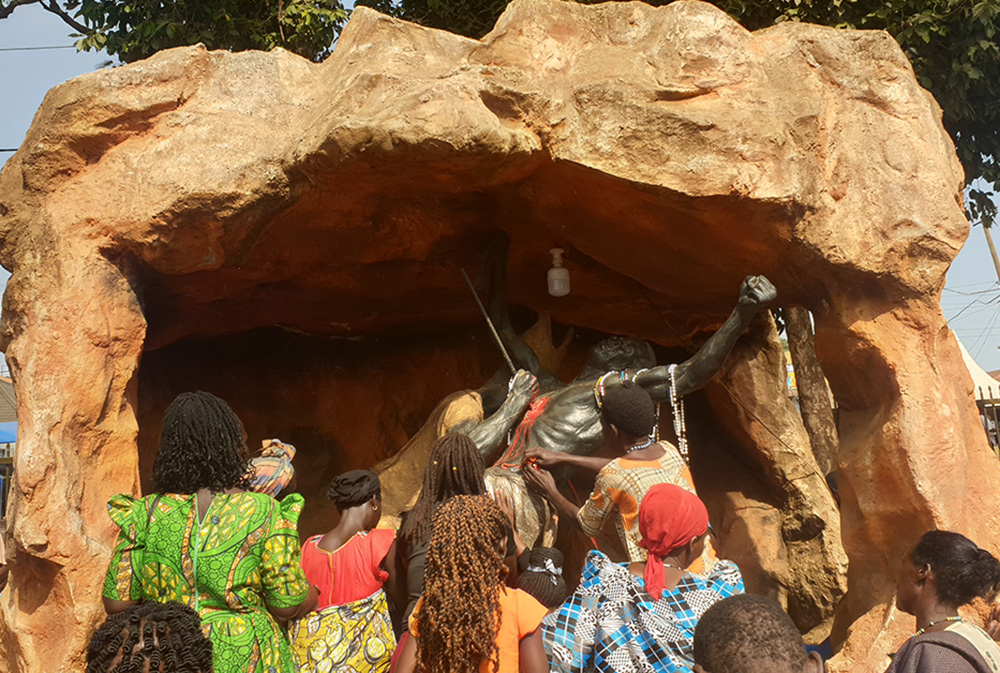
x: 641, y: 616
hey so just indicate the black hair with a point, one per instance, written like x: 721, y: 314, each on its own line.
x: 201, y: 446
x: 455, y: 467
x: 166, y: 636
x: 962, y: 571
x: 748, y: 634
x: 354, y: 488
x: 539, y: 580
x: 629, y: 408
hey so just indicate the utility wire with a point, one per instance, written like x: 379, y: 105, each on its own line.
x: 984, y: 338
x: 61, y: 46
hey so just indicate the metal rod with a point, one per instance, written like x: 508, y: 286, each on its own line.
x: 489, y: 323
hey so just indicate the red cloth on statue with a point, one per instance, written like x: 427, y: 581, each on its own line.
x: 514, y: 455
x: 351, y: 572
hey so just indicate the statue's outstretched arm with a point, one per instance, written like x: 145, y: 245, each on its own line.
x: 756, y: 293
x: 491, y: 434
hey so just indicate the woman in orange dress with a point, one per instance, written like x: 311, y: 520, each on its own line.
x: 467, y: 620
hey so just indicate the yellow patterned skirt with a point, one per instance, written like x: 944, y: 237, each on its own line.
x: 348, y: 638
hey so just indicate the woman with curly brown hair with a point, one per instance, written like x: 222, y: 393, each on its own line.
x: 467, y: 620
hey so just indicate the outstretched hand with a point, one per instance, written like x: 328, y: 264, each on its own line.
x: 542, y: 457
x: 503, y: 502
x: 757, y: 291
x: 538, y: 480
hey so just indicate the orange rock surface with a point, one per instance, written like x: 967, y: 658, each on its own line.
x: 161, y: 216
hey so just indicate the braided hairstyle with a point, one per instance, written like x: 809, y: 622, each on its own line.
x: 962, y: 571
x: 455, y: 467
x: 201, y: 446
x: 460, y: 614
x: 548, y: 587
x: 150, y: 636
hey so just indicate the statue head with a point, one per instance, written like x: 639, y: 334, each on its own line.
x: 619, y: 352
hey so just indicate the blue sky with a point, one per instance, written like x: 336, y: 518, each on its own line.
x: 971, y: 300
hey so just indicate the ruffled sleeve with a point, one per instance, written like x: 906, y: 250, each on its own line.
x: 122, y: 581
x: 283, y: 581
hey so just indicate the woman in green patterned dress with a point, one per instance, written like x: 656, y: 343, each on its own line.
x: 203, y: 540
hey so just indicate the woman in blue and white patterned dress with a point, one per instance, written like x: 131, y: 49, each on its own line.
x: 633, y: 617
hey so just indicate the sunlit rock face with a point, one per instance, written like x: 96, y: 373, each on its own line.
x: 290, y: 235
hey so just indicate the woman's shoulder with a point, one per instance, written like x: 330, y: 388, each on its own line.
x: 290, y: 504
x: 941, y: 650
x: 599, y: 569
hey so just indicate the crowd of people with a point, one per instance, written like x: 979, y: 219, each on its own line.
x: 209, y: 574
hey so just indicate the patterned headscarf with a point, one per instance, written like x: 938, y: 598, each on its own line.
x: 669, y: 518
x: 273, y: 471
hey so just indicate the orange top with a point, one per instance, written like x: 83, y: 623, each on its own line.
x: 351, y: 572
x: 520, y: 616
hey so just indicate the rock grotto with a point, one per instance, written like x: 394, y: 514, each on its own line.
x: 289, y: 235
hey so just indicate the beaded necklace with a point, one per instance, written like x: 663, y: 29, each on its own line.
x: 922, y: 631
x: 680, y: 423
x: 639, y: 447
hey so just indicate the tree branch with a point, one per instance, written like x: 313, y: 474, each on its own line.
x: 7, y: 10
x: 53, y: 6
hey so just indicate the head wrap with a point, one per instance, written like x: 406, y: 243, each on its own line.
x: 273, y: 471
x: 669, y: 518
x: 354, y: 488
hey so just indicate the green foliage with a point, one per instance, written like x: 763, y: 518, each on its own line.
x: 136, y: 29
x: 471, y: 18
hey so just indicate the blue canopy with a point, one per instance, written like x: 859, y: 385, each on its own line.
x: 8, y: 432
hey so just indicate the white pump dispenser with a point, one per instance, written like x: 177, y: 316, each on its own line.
x: 558, y: 276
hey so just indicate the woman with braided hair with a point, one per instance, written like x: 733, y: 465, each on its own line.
x: 162, y: 637
x: 467, y: 620
x: 455, y: 467
x: 351, y: 629
x: 543, y: 576
x: 203, y: 540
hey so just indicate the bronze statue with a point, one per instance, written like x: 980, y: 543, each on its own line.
x: 565, y: 418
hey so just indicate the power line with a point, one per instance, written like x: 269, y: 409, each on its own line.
x: 8, y: 150
x: 61, y: 46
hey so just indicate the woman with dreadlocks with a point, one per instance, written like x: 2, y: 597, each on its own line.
x: 351, y: 630
x: 467, y: 620
x: 455, y: 467
x: 203, y: 540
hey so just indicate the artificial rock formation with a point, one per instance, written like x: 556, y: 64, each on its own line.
x: 269, y: 210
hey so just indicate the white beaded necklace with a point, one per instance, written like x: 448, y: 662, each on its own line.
x: 680, y: 424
